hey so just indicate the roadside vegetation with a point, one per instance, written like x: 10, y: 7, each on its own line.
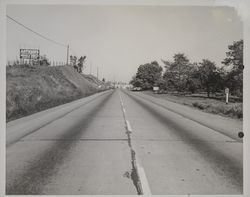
x: 184, y: 80
x: 30, y: 89
x: 214, y: 104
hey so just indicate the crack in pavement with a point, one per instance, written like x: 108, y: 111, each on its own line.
x: 134, y: 175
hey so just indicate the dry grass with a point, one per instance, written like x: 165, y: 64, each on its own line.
x: 32, y: 89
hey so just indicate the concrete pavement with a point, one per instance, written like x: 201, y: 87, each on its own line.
x: 84, y: 152
x: 123, y: 144
x: 227, y: 126
x: 181, y: 156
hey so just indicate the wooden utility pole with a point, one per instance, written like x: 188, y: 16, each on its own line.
x: 67, y: 55
x: 97, y: 72
x: 91, y: 68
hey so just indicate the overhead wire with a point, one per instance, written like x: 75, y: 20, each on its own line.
x: 42, y: 36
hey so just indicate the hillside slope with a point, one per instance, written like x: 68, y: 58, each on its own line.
x: 92, y: 79
x: 32, y: 89
x: 83, y: 84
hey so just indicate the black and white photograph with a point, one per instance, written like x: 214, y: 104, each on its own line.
x: 124, y: 99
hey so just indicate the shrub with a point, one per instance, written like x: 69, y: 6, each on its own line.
x: 200, y: 105
x: 232, y: 110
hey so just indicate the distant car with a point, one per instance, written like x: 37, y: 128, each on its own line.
x: 136, y: 89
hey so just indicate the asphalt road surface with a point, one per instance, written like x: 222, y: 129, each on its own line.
x: 120, y: 143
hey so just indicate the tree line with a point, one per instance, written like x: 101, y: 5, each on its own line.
x: 181, y: 75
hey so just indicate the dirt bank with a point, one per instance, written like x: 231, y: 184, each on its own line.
x: 32, y: 89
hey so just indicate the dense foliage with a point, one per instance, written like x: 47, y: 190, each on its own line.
x: 77, y: 64
x: 234, y: 59
x: 181, y: 75
x: 147, y: 75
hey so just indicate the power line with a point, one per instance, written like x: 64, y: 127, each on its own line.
x: 44, y: 37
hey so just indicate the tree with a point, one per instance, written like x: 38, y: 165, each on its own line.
x: 193, y: 83
x: 209, y: 76
x: 234, y: 81
x: 77, y: 64
x: 161, y: 83
x: 73, y: 61
x: 44, y: 61
x: 136, y: 82
x: 177, y: 72
x: 234, y: 58
x: 80, y: 63
x: 147, y: 75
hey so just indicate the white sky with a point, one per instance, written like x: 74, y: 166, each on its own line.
x: 118, y: 39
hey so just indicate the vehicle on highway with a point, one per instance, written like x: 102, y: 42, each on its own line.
x: 136, y: 89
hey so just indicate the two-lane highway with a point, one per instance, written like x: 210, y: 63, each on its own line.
x: 120, y: 143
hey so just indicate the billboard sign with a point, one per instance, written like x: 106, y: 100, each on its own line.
x: 29, y: 54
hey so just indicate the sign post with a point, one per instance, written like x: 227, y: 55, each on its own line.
x: 227, y: 93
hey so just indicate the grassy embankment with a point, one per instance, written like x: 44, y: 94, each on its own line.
x: 215, y: 105
x: 32, y: 89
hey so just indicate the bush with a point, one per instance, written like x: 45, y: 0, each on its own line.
x: 200, y: 105
x: 231, y: 110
